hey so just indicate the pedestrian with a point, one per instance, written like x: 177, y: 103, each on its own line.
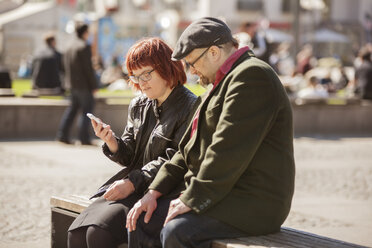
x: 81, y: 81
x: 47, y: 67
x: 233, y: 175
x: 156, y: 122
x: 363, y: 75
x: 313, y: 90
x: 5, y: 78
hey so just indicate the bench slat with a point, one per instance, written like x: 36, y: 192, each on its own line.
x: 287, y: 237
x: 73, y: 203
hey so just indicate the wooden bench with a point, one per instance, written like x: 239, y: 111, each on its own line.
x: 65, y: 209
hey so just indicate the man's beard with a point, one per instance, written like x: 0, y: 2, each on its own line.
x: 203, y: 81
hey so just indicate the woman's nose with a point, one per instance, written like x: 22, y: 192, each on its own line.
x: 142, y: 83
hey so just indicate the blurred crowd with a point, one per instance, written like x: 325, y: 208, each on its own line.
x: 46, y: 70
x: 305, y: 75
x: 309, y: 76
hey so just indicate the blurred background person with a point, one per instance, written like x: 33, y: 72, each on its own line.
x: 327, y: 82
x: 24, y: 69
x: 304, y: 59
x: 81, y: 80
x: 250, y: 35
x: 281, y: 59
x: 5, y: 78
x: 367, y: 24
x: 113, y: 74
x: 98, y: 67
x: 313, y: 90
x: 363, y: 75
x: 47, y: 67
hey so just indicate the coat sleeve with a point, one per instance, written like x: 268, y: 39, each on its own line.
x: 143, y: 177
x: 248, y: 109
x: 170, y: 175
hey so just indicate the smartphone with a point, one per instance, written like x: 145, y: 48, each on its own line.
x: 92, y: 117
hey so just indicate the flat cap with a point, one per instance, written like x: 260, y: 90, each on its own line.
x: 203, y: 32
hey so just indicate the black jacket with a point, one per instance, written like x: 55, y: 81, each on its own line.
x: 363, y: 76
x: 151, y: 136
x: 46, y: 68
x: 79, y: 72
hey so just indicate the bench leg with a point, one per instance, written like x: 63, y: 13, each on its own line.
x: 61, y: 220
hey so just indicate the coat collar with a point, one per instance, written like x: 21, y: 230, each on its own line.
x: 229, y: 65
x: 226, y: 66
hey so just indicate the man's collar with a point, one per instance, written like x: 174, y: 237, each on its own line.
x: 226, y: 66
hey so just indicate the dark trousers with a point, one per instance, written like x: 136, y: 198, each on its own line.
x: 80, y: 100
x: 102, y: 224
x: 189, y: 230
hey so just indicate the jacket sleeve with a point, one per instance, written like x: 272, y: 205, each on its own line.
x: 170, y: 175
x: 126, y: 144
x: 248, y: 109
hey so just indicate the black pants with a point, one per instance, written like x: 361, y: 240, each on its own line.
x: 103, y: 218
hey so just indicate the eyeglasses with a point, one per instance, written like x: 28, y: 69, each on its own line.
x: 144, y: 77
x: 196, y: 60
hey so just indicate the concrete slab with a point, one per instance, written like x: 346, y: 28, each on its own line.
x: 333, y: 195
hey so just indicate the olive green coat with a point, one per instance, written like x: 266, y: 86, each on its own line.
x: 238, y: 167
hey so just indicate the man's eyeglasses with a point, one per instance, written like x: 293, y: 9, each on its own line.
x: 144, y: 77
x: 196, y: 60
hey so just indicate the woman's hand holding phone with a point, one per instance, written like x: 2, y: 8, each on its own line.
x: 104, y: 132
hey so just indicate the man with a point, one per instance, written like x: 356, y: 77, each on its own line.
x: 47, y: 65
x: 363, y: 75
x: 235, y: 163
x: 5, y: 79
x: 80, y: 79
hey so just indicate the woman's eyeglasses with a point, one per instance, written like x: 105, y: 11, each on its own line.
x: 144, y: 77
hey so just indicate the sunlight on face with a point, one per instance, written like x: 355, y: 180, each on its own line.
x: 156, y: 87
x: 200, y: 67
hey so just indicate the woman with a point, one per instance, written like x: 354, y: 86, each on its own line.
x: 156, y: 122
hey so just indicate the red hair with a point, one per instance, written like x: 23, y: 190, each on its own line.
x: 156, y: 53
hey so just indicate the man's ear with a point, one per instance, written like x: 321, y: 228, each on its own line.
x: 215, y: 51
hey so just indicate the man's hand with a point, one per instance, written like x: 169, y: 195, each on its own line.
x: 105, y: 133
x: 147, y: 204
x: 176, y: 207
x: 120, y: 189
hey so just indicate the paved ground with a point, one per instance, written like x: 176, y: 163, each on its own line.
x: 333, y: 187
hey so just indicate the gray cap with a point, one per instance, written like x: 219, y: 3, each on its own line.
x: 203, y: 32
